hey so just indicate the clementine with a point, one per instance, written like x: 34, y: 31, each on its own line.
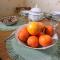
x: 23, y: 34
x: 41, y: 26
x: 45, y: 40
x: 49, y: 30
x: 33, y: 41
x: 33, y: 28
x: 39, y: 34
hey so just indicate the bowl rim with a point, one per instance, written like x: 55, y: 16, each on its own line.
x: 16, y: 36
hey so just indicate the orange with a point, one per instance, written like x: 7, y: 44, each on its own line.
x: 33, y: 28
x: 33, y: 41
x: 49, y: 30
x: 39, y: 34
x: 45, y: 40
x: 41, y: 26
x: 23, y: 34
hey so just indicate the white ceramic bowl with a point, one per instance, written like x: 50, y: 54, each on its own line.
x: 55, y: 38
x: 35, y: 17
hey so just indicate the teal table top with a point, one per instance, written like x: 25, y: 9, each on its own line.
x: 19, y: 52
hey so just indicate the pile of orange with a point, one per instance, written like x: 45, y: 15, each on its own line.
x: 36, y: 34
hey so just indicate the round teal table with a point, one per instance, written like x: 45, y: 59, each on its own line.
x: 18, y: 52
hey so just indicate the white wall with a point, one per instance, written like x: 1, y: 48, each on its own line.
x: 7, y: 7
x: 45, y: 5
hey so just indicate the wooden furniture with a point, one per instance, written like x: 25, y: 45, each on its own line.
x: 18, y: 9
x: 3, y: 51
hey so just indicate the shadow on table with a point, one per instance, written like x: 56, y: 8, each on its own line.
x: 50, y: 51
